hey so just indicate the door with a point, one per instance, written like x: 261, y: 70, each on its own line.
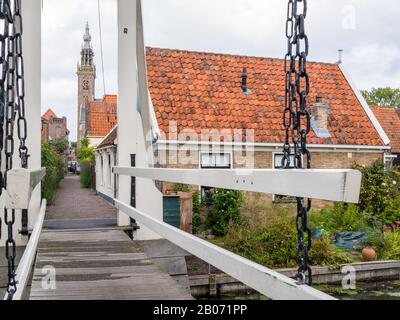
x: 172, y: 211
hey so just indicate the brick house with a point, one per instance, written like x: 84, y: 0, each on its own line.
x: 53, y: 127
x: 389, y: 118
x: 210, y: 108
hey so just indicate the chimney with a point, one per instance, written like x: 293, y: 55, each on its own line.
x: 340, y: 61
x: 244, y: 80
x: 320, y: 111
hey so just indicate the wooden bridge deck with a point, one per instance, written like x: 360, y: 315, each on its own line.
x: 97, y: 264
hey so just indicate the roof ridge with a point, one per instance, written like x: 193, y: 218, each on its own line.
x: 232, y: 55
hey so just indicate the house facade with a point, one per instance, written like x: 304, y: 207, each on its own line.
x: 225, y: 111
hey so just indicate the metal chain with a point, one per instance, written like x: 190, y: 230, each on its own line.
x: 12, y: 101
x: 297, y: 121
x: 20, y: 92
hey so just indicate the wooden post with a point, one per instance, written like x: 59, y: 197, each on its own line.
x: 186, y: 208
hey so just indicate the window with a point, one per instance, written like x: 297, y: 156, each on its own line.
x: 388, y: 161
x: 109, y: 171
x: 213, y: 161
x: 278, y: 165
x: 85, y: 85
x: 101, y: 170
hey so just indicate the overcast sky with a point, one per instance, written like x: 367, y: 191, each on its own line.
x: 365, y: 29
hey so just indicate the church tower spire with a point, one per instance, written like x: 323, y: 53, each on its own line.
x: 86, y: 82
x: 87, y: 53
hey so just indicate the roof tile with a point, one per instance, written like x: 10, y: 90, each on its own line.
x: 389, y: 119
x: 102, y: 116
x: 206, y: 88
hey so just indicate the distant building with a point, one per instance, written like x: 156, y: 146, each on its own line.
x: 53, y: 127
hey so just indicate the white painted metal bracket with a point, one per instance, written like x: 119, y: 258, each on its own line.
x: 26, y: 263
x: 20, y: 185
x: 330, y: 185
x: 268, y: 282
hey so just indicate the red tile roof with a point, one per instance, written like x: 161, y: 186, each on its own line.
x: 203, y: 90
x: 389, y: 119
x: 110, y: 98
x: 49, y: 115
x: 102, y: 116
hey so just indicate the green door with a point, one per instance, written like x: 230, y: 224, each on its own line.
x: 172, y: 211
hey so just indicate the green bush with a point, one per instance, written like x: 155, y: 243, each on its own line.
x: 324, y: 253
x: 196, y: 224
x: 54, y: 172
x: 274, y: 244
x: 340, y: 217
x: 391, y: 213
x: 378, y: 188
x: 85, y: 175
x: 225, y: 211
x: 391, y: 246
x: 86, y: 156
x: 60, y: 146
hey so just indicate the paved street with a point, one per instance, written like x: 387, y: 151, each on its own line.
x: 74, y: 203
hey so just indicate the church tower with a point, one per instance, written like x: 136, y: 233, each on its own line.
x: 86, y: 82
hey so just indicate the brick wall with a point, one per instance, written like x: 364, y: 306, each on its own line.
x: 321, y: 160
x: 58, y: 128
x: 344, y: 160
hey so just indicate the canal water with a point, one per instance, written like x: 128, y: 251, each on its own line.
x: 384, y: 290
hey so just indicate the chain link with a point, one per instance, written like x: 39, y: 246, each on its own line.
x: 297, y: 121
x: 22, y: 127
x: 12, y: 101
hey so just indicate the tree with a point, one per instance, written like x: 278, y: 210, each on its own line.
x: 382, y: 97
x: 85, y: 152
x: 60, y: 146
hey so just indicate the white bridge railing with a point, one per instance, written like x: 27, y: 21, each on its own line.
x: 26, y: 263
x: 333, y: 185
x: 20, y: 185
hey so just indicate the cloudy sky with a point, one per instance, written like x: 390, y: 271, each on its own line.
x: 365, y: 29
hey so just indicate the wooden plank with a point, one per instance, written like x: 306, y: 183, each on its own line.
x: 331, y: 185
x: 100, y: 265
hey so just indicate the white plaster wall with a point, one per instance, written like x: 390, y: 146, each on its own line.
x: 105, y: 178
x: 130, y: 128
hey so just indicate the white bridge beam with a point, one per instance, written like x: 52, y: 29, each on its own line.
x: 133, y: 126
x: 21, y: 184
x: 330, y: 185
x: 268, y: 282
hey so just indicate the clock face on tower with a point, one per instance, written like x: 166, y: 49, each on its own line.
x: 85, y: 85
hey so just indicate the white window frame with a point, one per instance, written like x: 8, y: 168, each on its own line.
x: 211, y: 168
